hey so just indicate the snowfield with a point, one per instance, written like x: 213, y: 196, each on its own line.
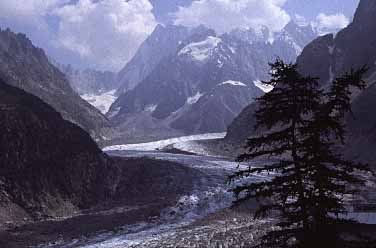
x: 102, y: 102
x: 194, y: 99
x: 233, y: 83
x: 265, y: 88
x: 182, y: 143
x: 202, y: 50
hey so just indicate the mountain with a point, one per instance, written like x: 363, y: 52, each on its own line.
x: 27, y: 67
x: 242, y: 127
x: 96, y: 87
x: 353, y: 47
x: 204, y: 83
x: 48, y: 166
x: 328, y: 57
x: 163, y: 42
x: 89, y: 81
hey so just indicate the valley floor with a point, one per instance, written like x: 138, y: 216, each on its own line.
x: 194, y: 187
x: 169, y: 198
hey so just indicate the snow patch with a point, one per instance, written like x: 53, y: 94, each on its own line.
x: 220, y: 63
x: 102, y: 102
x: 152, y: 146
x: 264, y: 87
x: 193, y: 99
x: 150, y: 108
x: 232, y: 49
x: 234, y: 83
x: 331, y: 50
x: 201, y: 51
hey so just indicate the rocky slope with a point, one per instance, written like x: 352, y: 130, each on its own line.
x: 207, y: 81
x: 48, y: 166
x: 27, y: 67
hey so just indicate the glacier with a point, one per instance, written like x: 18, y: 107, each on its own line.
x: 102, y: 101
x: 201, y: 51
x: 157, y: 145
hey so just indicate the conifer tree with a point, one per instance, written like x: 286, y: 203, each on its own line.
x: 330, y: 177
x: 303, y: 126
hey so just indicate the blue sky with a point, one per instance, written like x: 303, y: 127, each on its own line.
x: 105, y: 34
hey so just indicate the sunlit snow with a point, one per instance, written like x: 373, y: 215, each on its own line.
x: 150, y: 108
x: 264, y: 87
x: 201, y: 51
x: 102, y: 102
x: 234, y: 83
x: 193, y: 99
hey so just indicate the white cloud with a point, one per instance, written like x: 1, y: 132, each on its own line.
x: 30, y: 12
x: 300, y: 20
x: 225, y: 15
x: 105, y: 33
x: 21, y: 8
x: 331, y: 23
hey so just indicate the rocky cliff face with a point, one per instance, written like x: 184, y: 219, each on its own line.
x: 362, y: 127
x: 353, y: 47
x: 207, y: 80
x: 27, y: 67
x: 330, y: 56
x: 48, y: 166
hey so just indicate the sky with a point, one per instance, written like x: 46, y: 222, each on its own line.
x: 105, y: 34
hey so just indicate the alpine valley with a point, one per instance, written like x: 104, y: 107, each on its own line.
x: 142, y: 156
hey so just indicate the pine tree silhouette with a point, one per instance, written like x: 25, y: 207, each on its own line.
x: 304, y: 126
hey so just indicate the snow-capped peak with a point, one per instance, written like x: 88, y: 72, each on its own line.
x: 234, y: 83
x: 264, y: 87
x: 201, y: 51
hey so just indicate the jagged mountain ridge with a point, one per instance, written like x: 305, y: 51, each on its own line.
x: 199, y: 66
x: 27, y: 67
